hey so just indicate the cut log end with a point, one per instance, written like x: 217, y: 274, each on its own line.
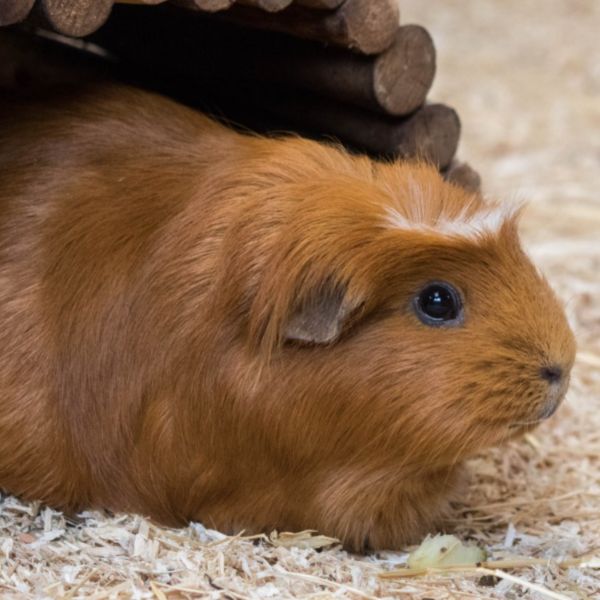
x: 404, y: 73
x: 463, y: 175
x: 431, y: 134
x: 368, y: 27
x: 75, y: 18
x: 14, y: 11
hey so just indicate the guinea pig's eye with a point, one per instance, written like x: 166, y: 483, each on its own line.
x: 438, y: 304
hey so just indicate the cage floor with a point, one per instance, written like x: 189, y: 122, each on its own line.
x: 525, y: 78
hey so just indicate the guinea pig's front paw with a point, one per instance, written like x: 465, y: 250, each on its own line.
x: 380, y: 511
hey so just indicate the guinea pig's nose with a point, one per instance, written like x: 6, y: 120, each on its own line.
x: 552, y: 374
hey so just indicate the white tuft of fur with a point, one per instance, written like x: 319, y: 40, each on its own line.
x: 487, y: 220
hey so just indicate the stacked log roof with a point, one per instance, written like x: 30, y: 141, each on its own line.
x: 344, y: 69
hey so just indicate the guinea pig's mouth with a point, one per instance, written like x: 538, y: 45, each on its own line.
x: 549, y: 409
x: 553, y: 400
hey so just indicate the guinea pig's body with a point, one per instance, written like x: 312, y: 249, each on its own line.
x: 201, y: 325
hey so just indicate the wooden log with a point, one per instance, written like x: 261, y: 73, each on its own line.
x: 75, y: 18
x: 463, y: 175
x: 267, y: 5
x: 204, y: 5
x: 183, y: 68
x: 14, y: 11
x: 403, y: 75
x: 367, y: 26
x: 395, y: 82
x: 431, y: 133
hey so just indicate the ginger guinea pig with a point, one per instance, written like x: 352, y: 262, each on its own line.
x: 201, y: 325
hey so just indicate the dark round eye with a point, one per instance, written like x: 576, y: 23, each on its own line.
x: 438, y: 304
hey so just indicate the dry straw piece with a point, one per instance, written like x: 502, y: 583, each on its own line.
x: 534, y: 505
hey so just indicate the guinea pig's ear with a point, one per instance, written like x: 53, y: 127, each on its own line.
x: 307, y: 308
x: 322, y: 316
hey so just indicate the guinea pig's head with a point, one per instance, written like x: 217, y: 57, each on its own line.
x: 401, y: 311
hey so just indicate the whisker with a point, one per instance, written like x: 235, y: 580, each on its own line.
x: 526, y: 423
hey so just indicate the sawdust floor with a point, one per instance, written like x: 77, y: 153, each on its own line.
x: 525, y: 78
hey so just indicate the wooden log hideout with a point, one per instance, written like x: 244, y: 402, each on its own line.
x: 328, y: 69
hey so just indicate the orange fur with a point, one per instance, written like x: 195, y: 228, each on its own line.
x: 150, y: 262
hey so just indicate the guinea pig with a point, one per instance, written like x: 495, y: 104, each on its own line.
x: 199, y: 324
